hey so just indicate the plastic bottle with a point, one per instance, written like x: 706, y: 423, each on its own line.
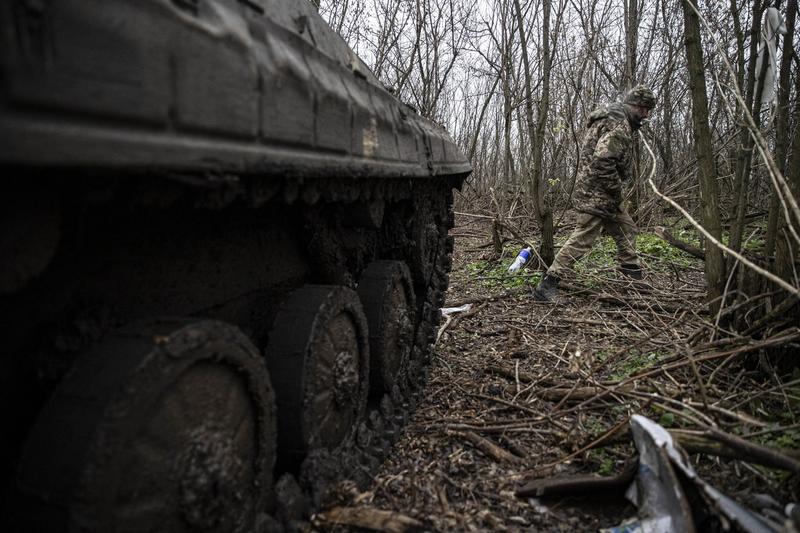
x: 521, y: 259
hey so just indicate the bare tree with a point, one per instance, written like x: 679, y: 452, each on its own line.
x: 752, y: 103
x: 715, y: 266
x: 536, y: 131
x: 516, y: 97
x: 778, y: 234
x: 782, y: 127
x: 631, y: 16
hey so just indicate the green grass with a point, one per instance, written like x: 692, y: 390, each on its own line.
x: 603, y: 254
x: 667, y: 419
x: 601, y: 354
x: 494, y: 274
x: 606, y: 465
x: 594, y: 425
x: 654, y: 246
x: 788, y: 439
x: 633, y: 364
x: 756, y: 243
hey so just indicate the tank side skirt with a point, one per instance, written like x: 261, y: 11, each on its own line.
x: 217, y: 88
x: 70, y: 145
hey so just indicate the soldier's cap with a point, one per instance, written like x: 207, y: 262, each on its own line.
x: 641, y: 95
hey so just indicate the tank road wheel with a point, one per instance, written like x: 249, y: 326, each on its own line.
x: 386, y: 293
x: 163, y: 427
x: 318, y: 357
x: 424, y: 240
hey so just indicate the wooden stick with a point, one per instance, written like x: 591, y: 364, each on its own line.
x: 679, y: 244
x: 756, y: 453
x: 720, y: 444
x: 782, y: 309
x: 486, y: 446
x: 579, y: 393
x: 500, y: 371
x: 599, y: 441
x: 581, y: 484
x: 368, y: 518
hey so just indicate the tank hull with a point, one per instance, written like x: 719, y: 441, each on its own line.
x: 205, y: 161
x: 257, y: 87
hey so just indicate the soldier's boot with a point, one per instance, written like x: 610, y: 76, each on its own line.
x: 632, y: 270
x: 547, y: 289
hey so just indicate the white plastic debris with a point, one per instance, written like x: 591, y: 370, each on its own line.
x: 773, y: 25
x: 452, y: 310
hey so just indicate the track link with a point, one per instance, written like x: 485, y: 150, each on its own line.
x: 327, y: 476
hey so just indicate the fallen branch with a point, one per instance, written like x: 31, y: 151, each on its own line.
x: 719, y: 444
x: 782, y: 309
x: 506, y: 373
x: 368, y: 518
x: 588, y: 321
x: 679, y: 244
x: 578, y: 393
x: 578, y: 485
x: 711, y: 443
x: 452, y: 319
x: 486, y: 446
x: 602, y: 440
x: 757, y: 453
x: 749, y: 264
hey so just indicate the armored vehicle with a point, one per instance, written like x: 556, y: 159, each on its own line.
x: 224, y: 246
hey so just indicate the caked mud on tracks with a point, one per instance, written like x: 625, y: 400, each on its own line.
x: 221, y: 271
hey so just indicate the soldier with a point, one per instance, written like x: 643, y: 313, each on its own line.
x: 605, y: 165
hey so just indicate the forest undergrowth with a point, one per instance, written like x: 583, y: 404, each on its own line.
x: 521, y: 390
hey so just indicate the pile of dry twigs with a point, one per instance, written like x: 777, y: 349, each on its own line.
x: 524, y: 391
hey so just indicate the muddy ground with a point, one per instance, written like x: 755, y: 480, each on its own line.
x: 521, y: 390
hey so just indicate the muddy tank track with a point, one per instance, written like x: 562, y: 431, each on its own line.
x: 233, y: 166
x: 411, y: 235
x: 325, y: 474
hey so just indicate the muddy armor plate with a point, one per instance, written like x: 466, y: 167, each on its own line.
x: 255, y: 86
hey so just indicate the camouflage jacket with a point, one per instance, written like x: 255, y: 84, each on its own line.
x: 605, y: 161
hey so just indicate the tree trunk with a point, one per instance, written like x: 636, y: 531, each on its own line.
x: 745, y: 158
x: 479, y: 122
x: 537, y: 185
x: 631, y: 17
x: 785, y: 254
x: 707, y: 172
x: 782, y: 130
x: 542, y: 206
x: 739, y: 36
x: 665, y: 106
x: 507, y: 114
x: 631, y: 9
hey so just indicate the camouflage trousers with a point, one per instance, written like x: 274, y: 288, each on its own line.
x: 620, y: 227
